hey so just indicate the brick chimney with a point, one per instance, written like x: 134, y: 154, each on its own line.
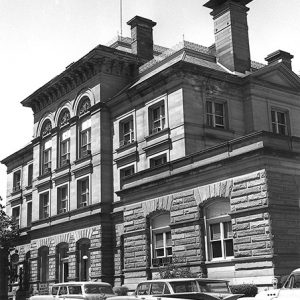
x: 142, y: 37
x: 280, y: 56
x: 231, y: 33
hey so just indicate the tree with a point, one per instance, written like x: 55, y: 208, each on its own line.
x: 9, y: 233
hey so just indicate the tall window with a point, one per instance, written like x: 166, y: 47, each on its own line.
x: 83, y: 192
x: 16, y: 215
x: 219, y: 230
x: 46, y: 148
x: 65, y: 148
x: 46, y: 167
x: 64, y: 138
x: 83, y: 259
x: 29, y: 213
x: 62, y: 199
x: 62, y: 262
x: 84, y: 128
x: 215, y: 114
x: 157, y: 120
x: 17, y: 181
x: 44, y: 206
x: 43, y: 264
x: 126, y: 132
x: 279, y: 122
x: 161, y: 240
x: 30, y: 174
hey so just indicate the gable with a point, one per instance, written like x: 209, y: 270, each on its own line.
x: 278, y: 75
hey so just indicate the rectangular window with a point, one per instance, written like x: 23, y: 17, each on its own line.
x: 16, y: 215
x: 65, y: 148
x: 125, y: 172
x: 126, y: 132
x: 279, y: 122
x: 29, y: 213
x: 158, y: 161
x: 83, y: 192
x: 30, y: 174
x: 44, y: 206
x: 46, y: 160
x: 85, y: 138
x: 215, y: 114
x: 163, y: 244
x: 221, y: 240
x: 17, y: 181
x: 157, y: 119
x: 62, y: 199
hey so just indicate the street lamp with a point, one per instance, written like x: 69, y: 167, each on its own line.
x: 85, y: 258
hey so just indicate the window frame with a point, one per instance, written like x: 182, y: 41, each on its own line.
x: 46, y: 153
x: 123, y: 141
x: 16, y: 218
x: 60, y: 200
x: 84, y: 149
x: 17, y: 180
x: 42, y: 215
x: 160, y: 119
x: 29, y: 213
x: 81, y: 194
x: 64, y: 157
x: 285, y: 112
x: 164, y: 230
x: 210, y: 117
x: 152, y: 160
x: 30, y: 175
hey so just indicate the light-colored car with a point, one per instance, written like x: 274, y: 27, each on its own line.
x: 289, y: 291
x: 78, y: 290
x: 186, y: 288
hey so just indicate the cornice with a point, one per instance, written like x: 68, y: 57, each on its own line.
x: 101, y: 59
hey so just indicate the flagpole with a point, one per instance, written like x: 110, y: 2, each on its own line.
x: 121, y: 17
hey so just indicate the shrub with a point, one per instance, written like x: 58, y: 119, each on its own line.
x: 249, y: 290
x: 120, y: 290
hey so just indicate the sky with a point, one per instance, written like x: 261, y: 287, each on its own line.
x: 39, y: 38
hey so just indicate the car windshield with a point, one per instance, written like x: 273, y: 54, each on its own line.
x: 97, y: 289
x: 213, y: 287
x: 184, y: 286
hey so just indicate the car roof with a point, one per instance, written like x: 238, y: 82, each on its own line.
x: 296, y: 270
x: 81, y: 283
x: 186, y: 279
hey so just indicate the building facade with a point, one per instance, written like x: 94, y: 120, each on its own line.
x: 142, y: 154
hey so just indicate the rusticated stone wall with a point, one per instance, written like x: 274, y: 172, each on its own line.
x: 253, y: 242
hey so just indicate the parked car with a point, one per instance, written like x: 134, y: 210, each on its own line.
x: 78, y: 290
x: 289, y: 291
x: 186, y: 288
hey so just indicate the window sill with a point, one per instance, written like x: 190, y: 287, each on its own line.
x: 62, y: 168
x: 43, y: 176
x: 220, y: 261
x: 82, y: 159
x: 13, y: 193
x: 126, y: 147
x: 157, y: 134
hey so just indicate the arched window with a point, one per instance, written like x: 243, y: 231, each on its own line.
x: 161, y: 239
x: 219, y: 230
x: 46, y: 151
x: 84, y: 129
x: 62, y: 262
x: 64, y: 138
x: 43, y: 264
x: 83, y: 259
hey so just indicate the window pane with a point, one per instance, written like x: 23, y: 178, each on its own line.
x: 281, y: 129
x: 209, y: 107
x: 159, y: 240
x: 219, y: 109
x: 229, y: 248
x: 227, y: 230
x: 216, y: 249
x: 281, y: 118
x: 157, y: 288
x: 168, y: 238
x: 215, y: 232
x: 273, y: 116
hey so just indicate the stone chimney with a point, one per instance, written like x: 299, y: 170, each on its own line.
x: 231, y: 33
x: 280, y: 56
x: 142, y: 37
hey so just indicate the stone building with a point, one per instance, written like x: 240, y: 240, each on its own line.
x: 143, y: 153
